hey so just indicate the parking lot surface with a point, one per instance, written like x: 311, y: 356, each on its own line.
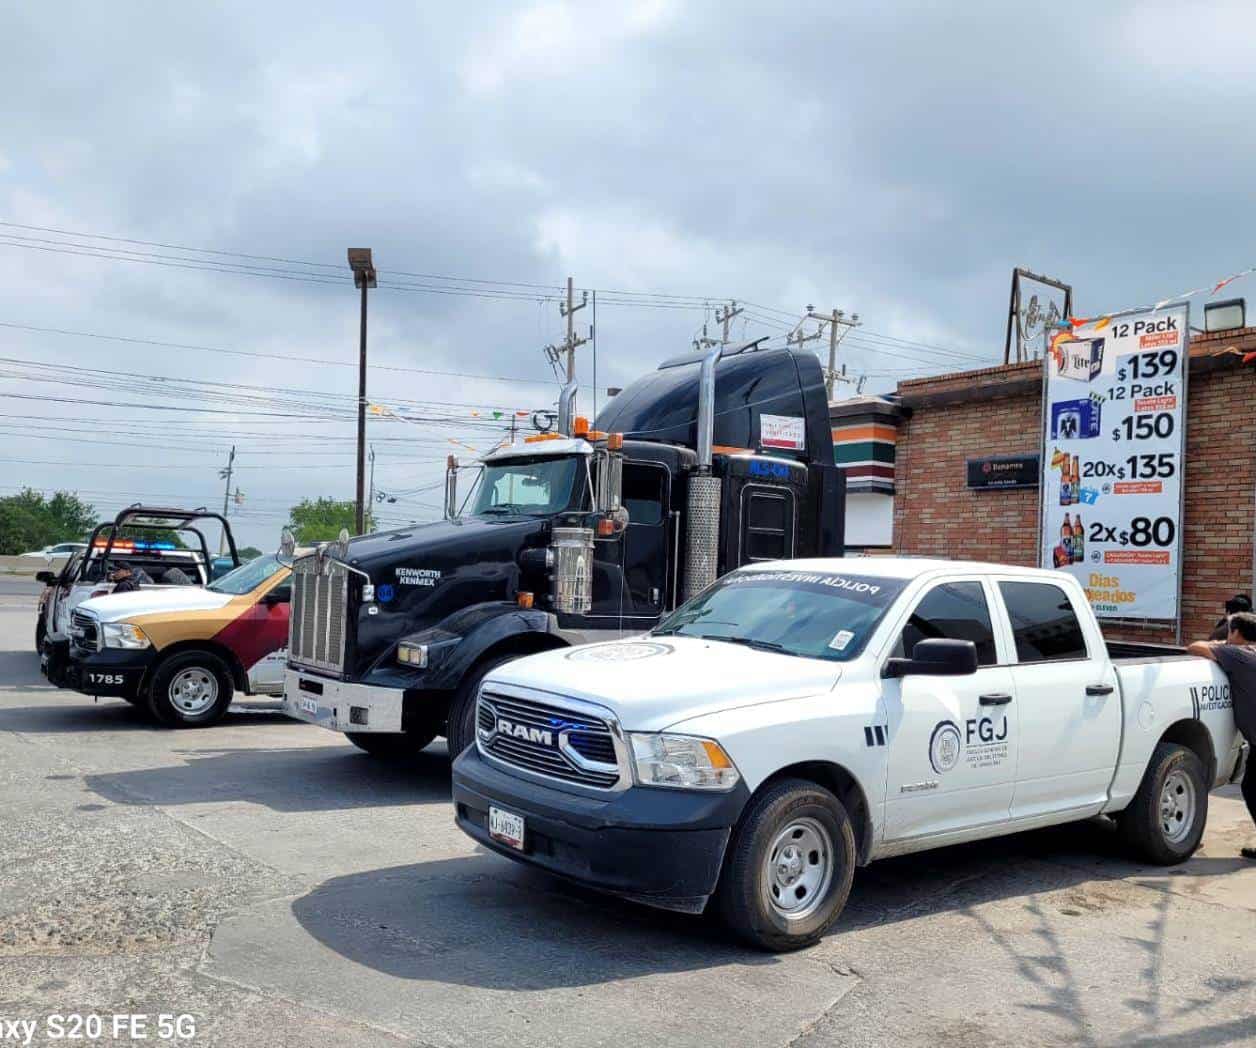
x: 269, y: 880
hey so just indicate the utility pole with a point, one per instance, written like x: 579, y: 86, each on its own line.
x: 226, y: 495
x: 371, y: 500
x: 569, y: 309
x: 363, y: 277
x: 705, y: 342
x: 798, y: 337
x: 839, y: 324
x: 724, y: 316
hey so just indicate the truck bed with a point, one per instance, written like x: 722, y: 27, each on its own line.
x: 1126, y: 652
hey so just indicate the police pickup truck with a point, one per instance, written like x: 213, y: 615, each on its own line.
x: 798, y: 719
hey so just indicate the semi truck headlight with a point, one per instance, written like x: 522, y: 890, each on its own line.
x: 124, y: 635
x: 682, y: 761
x: 412, y: 655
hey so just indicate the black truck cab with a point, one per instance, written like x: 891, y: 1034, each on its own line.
x: 713, y: 461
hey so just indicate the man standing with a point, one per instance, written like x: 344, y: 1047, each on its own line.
x: 1236, y: 655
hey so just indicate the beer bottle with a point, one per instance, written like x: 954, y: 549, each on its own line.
x: 1079, y: 541
x: 1075, y: 489
x: 1066, y: 539
x: 1066, y: 499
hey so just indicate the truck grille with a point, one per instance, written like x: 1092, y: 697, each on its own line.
x: 84, y: 633
x: 319, y: 609
x: 547, y: 740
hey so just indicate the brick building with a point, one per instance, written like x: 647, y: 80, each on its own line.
x: 949, y: 419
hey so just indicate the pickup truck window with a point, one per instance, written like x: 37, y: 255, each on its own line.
x: 1044, y: 623
x: 814, y: 615
x: 247, y: 577
x: 953, y: 611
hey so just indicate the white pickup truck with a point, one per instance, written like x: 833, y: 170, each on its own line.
x: 798, y: 719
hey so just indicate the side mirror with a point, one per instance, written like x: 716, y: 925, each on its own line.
x: 937, y: 657
x: 46, y: 577
x: 279, y: 595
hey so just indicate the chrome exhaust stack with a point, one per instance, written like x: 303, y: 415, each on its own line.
x: 567, y: 408
x: 703, y: 528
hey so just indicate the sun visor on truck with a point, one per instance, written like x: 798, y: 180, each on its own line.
x: 785, y: 386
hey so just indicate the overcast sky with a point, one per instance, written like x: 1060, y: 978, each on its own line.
x: 895, y: 160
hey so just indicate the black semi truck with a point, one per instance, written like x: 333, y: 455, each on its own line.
x: 714, y: 460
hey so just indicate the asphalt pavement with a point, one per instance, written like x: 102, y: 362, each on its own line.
x: 277, y: 887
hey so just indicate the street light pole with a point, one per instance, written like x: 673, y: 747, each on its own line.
x: 363, y: 277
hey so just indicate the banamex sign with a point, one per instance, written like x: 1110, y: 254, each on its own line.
x: 1114, y: 427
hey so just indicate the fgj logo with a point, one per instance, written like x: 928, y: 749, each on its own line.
x: 944, y: 746
x: 384, y: 593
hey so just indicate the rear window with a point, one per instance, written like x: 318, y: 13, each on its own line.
x: 1044, y: 624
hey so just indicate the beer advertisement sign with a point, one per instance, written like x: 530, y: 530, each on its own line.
x: 1114, y: 420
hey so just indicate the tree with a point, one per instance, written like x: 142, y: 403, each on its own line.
x: 29, y: 521
x: 320, y: 520
x: 249, y: 553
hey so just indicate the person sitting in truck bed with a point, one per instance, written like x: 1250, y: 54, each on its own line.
x: 1237, y: 656
x: 126, y: 579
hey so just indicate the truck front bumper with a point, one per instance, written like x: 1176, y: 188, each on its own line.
x: 341, y: 705
x: 115, y: 672
x: 657, y: 846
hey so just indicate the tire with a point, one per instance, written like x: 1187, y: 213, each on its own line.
x: 460, y: 726
x: 190, y: 690
x: 1165, y: 821
x: 390, y: 746
x: 776, y: 863
x: 41, y: 631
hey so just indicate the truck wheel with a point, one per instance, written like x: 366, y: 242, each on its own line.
x: 1165, y: 821
x: 789, y: 867
x: 41, y: 631
x: 389, y: 745
x: 460, y: 727
x: 190, y: 690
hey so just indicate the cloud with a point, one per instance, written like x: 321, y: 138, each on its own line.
x: 895, y: 160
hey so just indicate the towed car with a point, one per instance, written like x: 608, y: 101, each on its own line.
x: 799, y: 719
x: 182, y: 653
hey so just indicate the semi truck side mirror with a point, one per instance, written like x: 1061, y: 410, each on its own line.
x: 936, y: 657
x: 46, y: 577
x: 287, y: 546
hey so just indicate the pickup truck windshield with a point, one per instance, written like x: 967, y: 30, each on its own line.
x: 247, y: 577
x: 537, y: 486
x: 810, y: 614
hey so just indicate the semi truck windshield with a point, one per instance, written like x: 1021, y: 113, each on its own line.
x: 537, y: 486
x: 809, y: 614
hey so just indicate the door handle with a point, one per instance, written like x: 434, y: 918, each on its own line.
x: 995, y: 698
x: 1099, y: 689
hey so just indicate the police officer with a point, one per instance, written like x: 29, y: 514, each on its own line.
x: 1236, y: 655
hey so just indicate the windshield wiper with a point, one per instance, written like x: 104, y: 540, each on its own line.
x: 501, y: 507
x: 750, y: 642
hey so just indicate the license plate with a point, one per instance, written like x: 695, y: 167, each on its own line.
x: 506, y: 827
x: 308, y: 705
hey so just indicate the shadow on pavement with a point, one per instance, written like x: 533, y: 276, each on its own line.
x: 315, y: 778
x: 20, y: 667
x: 480, y: 921
x: 483, y: 921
